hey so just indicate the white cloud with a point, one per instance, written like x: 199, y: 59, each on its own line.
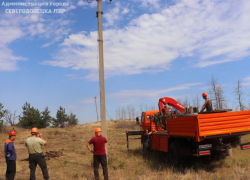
x: 115, y: 15
x: 125, y: 11
x: 85, y: 4
x: 71, y: 7
x: 34, y: 17
x: 149, y: 3
x: 151, y: 94
x: 136, y: 96
x: 208, y: 32
x: 246, y: 81
x: 89, y: 100
x: 36, y: 29
x: 8, y: 34
x: 17, y: 26
x: 8, y: 62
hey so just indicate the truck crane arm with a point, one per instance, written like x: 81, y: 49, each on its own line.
x: 171, y: 102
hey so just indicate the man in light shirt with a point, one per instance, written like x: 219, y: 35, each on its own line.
x: 36, y: 156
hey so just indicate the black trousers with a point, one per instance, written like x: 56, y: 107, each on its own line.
x: 39, y: 159
x: 11, y: 169
x: 103, y: 160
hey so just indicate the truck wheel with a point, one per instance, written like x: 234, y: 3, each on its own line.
x: 174, y: 154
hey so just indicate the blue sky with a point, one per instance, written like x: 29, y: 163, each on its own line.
x: 152, y: 49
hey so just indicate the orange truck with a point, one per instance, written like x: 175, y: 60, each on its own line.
x: 213, y: 133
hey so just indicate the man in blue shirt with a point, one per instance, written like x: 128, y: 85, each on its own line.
x: 10, y: 156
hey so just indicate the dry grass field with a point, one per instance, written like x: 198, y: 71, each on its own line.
x: 76, y: 162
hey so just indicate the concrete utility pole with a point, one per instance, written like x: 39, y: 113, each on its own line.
x: 96, y: 109
x: 101, y: 68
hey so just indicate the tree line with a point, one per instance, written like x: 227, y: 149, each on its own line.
x: 33, y: 117
x: 129, y: 112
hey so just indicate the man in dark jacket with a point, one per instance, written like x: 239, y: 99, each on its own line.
x: 10, y: 156
x: 99, y: 153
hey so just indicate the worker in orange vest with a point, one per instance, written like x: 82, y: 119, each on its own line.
x: 99, y: 153
x: 207, y: 104
x: 10, y: 156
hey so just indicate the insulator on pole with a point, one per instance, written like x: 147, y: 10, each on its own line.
x: 108, y: 1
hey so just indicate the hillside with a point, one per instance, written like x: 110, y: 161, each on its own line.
x: 76, y: 161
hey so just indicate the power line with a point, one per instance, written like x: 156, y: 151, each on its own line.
x: 96, y: 109
x: 108, y: 115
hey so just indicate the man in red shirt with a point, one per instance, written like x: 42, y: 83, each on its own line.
x: 99, y: 153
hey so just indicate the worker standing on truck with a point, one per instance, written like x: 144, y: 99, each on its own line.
x: 99, y: 153
x: 207, y: 104
x: 160, y: 118
x: 175, y: 113
x: 10, y: 156
x: 36, y: 156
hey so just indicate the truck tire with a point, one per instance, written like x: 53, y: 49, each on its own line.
x: 174, y: 154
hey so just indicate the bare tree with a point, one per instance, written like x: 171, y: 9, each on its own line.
x: 225, y: 106
x: 123, y: 113
x: 117, y: 113
x: 220, y: 97
x: 179, y: 100
x: 129, y: 109
x: 217, y: 93
x: 133, y: 112
x: 10, y: 118
x: 239, y: 94
x: 128, y: 112
x: 141, y: 107
x: 138, y: 113
x: 152, y: 108
x: 213, y: 91
x: 186, y: 103
x: 196, y: 101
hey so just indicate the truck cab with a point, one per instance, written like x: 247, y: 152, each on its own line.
x: 146, y: 117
